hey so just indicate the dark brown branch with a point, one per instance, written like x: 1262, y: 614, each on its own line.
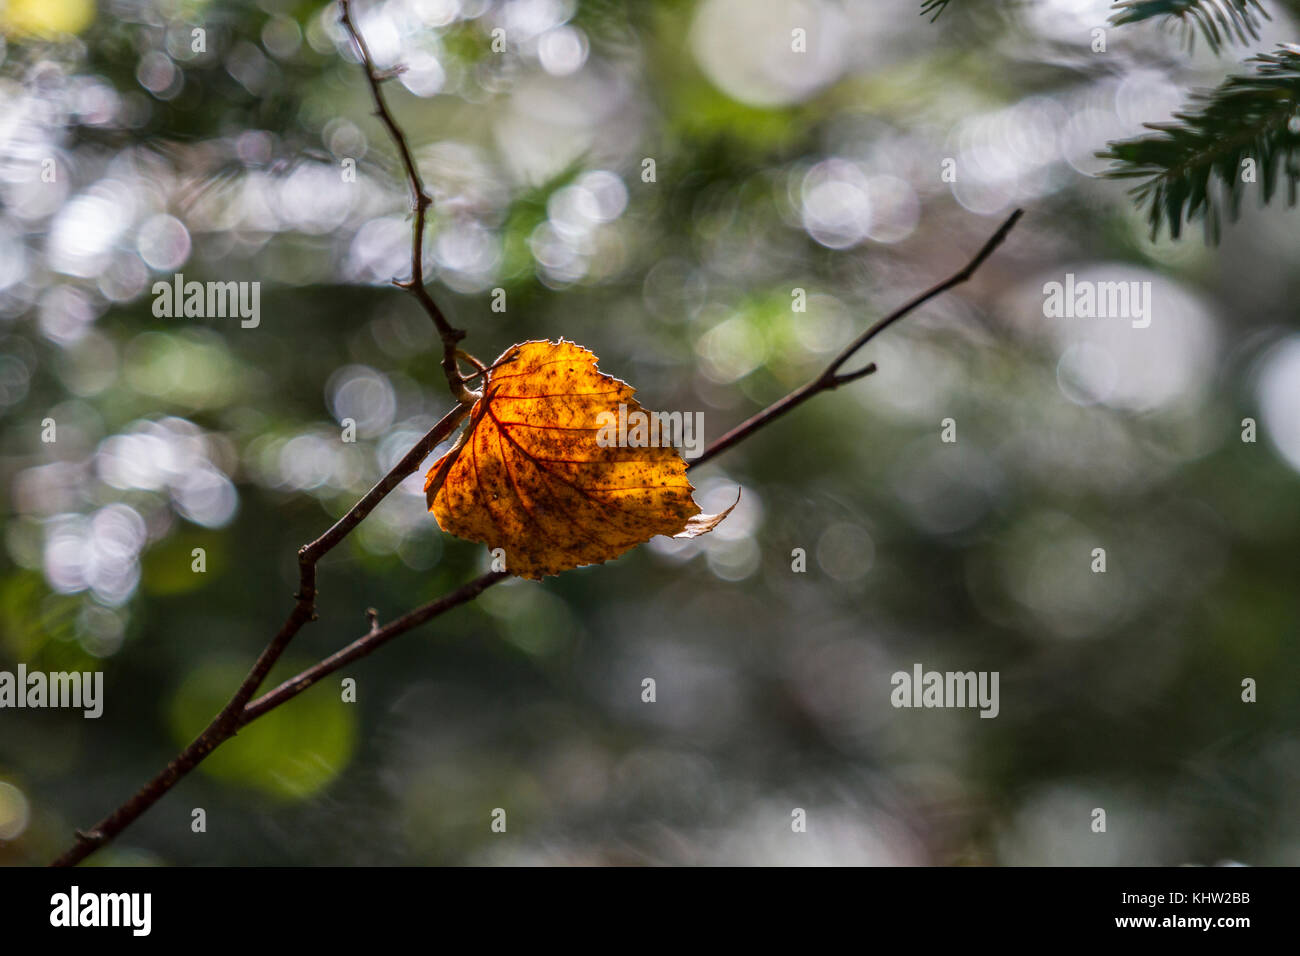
x: 831, y: 377
x: 400, y: 472
x: 241, y: 711
x: 227, y: 723
x: 364, y: 646
x: 420, y: 202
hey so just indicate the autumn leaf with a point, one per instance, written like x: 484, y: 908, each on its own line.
x: 530, y: 474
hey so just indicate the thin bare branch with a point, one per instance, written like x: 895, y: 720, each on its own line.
x: 242, y: 709
x: 364, y: 646
x: 227, y: 723
x: 420, y: 203
x: 831, y: 377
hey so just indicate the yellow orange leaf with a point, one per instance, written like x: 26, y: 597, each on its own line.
x: 531, y: 476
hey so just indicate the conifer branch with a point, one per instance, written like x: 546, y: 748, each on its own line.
x: 1218, y: 21
x: 1244, y: 131
x: 934, y: 8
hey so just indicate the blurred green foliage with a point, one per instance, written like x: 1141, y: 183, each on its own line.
x: 774, y: 171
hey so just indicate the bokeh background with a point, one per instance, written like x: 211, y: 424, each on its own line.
x: 774, y: 170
